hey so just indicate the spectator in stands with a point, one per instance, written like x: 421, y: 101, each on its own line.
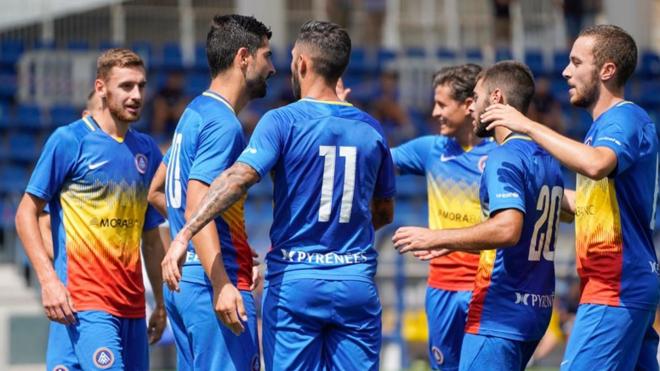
x: 169, y: 103
x: 389, y: 112
x: 545, y: 108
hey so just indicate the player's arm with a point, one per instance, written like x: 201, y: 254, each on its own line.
x: 225, y: 190
x: 46, y: 235
x: 55, y: 297
x: 228, y: 301
x: 153, y: 252
x: 567, y: 214
x: 593, y: 162
x: 382, y: 212
x: 501, y: 230
x: 156, y: 195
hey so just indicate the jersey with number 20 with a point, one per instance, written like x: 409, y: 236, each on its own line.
x: 328, y: 160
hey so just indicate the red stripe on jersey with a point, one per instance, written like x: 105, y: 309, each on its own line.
x: 454, y: 272
x: 481, y: 284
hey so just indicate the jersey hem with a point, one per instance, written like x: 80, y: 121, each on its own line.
x: 113, y: 311
x: 501, y: 334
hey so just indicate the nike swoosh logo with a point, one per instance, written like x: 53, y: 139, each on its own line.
x: 97, y: 165
x: 444, y: 158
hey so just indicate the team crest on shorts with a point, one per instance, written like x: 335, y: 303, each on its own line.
x: 256, y: 363
x: 60, y: 368
x: 482, y: 163
x: 141, y: 163
x: 437, y: 354
x: 103, y: 358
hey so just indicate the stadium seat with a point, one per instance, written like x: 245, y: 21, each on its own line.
x: 445, y: 53
x: 474, y: 55
x: 13, y: 179
x: 415, y: 52
x: 6, y: 116
x: 8, y: 85
x: 534, y: 59
x: 201, y: 63
x: 503, y: 54
x: 560, y: 60
x: 77, y: 45
x: 385, y: 57
x: 63, y: 115
x: 650, y: 64
x: 171, y: 57
x: 105, y: 45
x: 144, y: 50
x: 196, y: 83
x: 23, y: 147
x: 409, y: 186
x: 10, y: 52
x: 29, y: 117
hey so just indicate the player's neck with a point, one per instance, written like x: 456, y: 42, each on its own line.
x: 232, y: 92
x: 501, y: 133
x: 316, y: 87
x: 110, y: 124
x: 466, y: 138
x: 605, y: 101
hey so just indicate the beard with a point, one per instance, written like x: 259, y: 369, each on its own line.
x: 118, y: 111
x: 295, y: 85
x: 480, y: 127
x: 257, y: 87
x: 589, y: 96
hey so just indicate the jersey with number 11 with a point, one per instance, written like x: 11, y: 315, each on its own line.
x: 328, y: 161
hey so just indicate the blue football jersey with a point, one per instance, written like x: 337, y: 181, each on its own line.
x: 328, y: 161
x: 514, y: 288
x: 207, y: 140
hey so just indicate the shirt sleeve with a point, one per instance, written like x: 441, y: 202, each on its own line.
x: 265, y: 146
x: 503, y: 178
x: 218, y: 146
x: 166, y: 157
x: 152, y: 217
x: 622, y: 138
x: 385, y: 182
x: 57, y: 160
x: 410, y: 157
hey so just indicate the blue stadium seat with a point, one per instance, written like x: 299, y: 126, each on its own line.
x: 445, y: 53
x: 144, y: 50
x: 534, y: 59
x: 201, y: 63
x: 6, y: 116
x: 29, y: 117
x: 385, y: 56
x: 560, y: 60
x: 359, y: 62
x: 105, y: 45
x: 10, y: 52
x: 410, y: 186
x: 13, y: 179
x: 650, y: 64
x: 474, y: 55
x: 196, y: 83
x: 63, y: 115
x: 23, y: 147
x: 415, y: 52
x: 78, y: 45
x: 8, y: 84
x: 503, y: 54
x: 171, y: 57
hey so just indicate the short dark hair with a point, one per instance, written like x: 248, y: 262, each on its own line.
x: 514, y: 79
x: 330, y: 47
x: 613, y: 44
x: 461, y: 80
x: 229, y: 33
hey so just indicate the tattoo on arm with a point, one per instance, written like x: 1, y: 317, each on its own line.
x: 225, y: 190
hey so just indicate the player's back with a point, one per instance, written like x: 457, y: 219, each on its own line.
x: 331, y: 160
x: 514, y: 288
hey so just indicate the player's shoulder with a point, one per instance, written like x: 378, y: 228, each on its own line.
x: 75, y: 132
x: 144, y: 140
x: 209, y: 108
x: 626, y: 113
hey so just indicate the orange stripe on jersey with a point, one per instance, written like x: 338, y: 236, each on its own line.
x: 103, y: 226
x: 481, y: 284
x: 598, y: 241
x: 453, y: 204
x: 234, y: 217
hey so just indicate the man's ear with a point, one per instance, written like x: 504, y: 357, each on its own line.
x: 496, y: 96
x: 303, y: 64
x: 466, y: 105
x: 100, y: 88
x: 608, y: 71
x: 241, y: 57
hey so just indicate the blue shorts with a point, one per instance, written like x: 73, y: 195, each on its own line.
x: 98, y: 341
x: 482, y: 352
x: 611, y: 338
x: 202, y: 341
x: 446, y: 312
x: 315, y: 324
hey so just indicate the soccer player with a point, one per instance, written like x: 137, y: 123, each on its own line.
x: 452, y: 163
x: 615, y: 199
x: 521, y: 192
x: 94, y: 174
x: 333, y: 185
x: 217, y: 272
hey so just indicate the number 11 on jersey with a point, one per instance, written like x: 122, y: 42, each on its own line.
x: 329, y: 153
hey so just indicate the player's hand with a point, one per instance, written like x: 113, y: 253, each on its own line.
x: 407, y: 239
x: 229, y: 307
x: 57, y: 302
x: 504, y: 115
x: 173, y: 261
x: 425, y: 255
x: 157, y: 323
x: 256, y: 272
x: 342, y: 91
